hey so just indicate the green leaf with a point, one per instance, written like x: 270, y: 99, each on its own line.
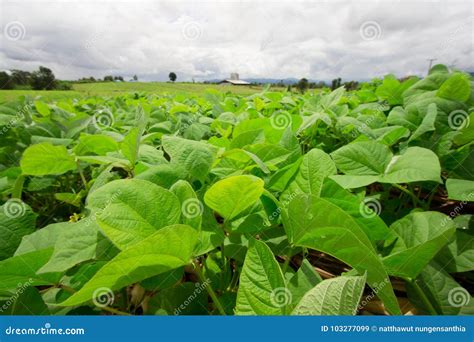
x: 131, y: 145
x: 367, y: 162
x: 458, y: 255
x: 460, y: 189
x: 337, y: 296
x: 232, y: 195
x: 441, y: 290
x: 316, y: 166
x: 316, y: 223
x: 77, y: 243
x: 302, y: 281
x: 195, y: 157
x: 28, y: 302
x: 42, y: 108
x: 428, y: 123
x: 262, y: 289
x: 130, y: 210
x: 21, y: 269
x: 16, y: 220
x: 165, y: 250
x: 456, y: 88
x: 423, y: 234
x: 46, y: 159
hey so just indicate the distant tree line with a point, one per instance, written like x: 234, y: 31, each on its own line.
x: 41, y: 79
x: 44, y: 79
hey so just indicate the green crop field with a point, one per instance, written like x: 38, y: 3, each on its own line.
x: 121, y: 88
x: 173, y: 199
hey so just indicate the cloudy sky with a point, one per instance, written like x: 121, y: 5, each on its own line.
x: 209, y: 39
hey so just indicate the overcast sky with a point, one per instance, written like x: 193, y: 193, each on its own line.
x: 208, y: 39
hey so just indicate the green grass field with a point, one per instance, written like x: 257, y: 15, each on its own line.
x: 117, y: 88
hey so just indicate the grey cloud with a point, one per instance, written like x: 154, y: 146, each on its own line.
x: 203, y: 40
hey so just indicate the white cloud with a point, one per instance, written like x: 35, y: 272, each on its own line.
x: 210, y: 39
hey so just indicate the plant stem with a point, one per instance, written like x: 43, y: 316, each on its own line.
x: 210, y: 290
x: 419, y: 292
x: 82, y: 174
x: 18, y: 187
x: 115, y: 311
x: 416, y: 201
x: 287, y: 260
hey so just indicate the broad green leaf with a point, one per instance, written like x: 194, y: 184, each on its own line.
x: 423, y: 234
x: 316, y: 166
x: 28, y: 301
x: 46, y: 159
x: 164, y: 175
x: 96, y: 144
x: 232, y: 195
x: 130, y: 210
x: 316, y: 223
x: 428, y: 123
x: 337, y: 296
x: 416, y: 164
x: 195, y: 157
x: 460, y: 189
x: 131, y: 145
x: 16, y: 220
x: 262, y: 288
x: 367, y: 162
x: 444, y: 294
x: 43, y: 238
x: 76, y: 243
x: 456, y: 88
x: 458, y: 254
x: 362, y: 158
x: 302, y: 281
x: 165, y: 250
x: 42, y: 108
x: 192, y: 208
x: 21, y: 269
